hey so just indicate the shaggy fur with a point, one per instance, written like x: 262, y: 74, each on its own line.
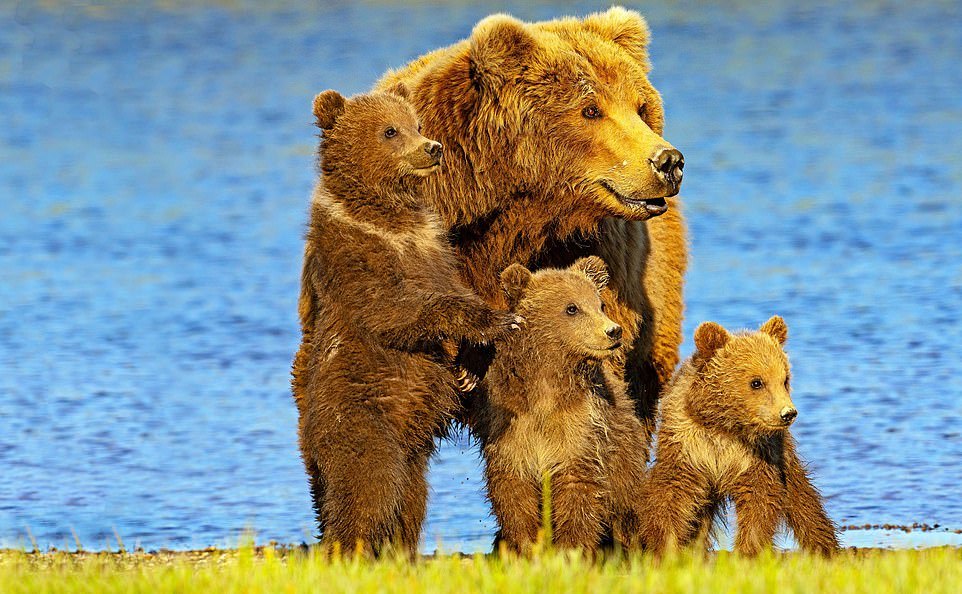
x: 724, y: 434
x: 380, y: 297
x: 553, y: 408
x: 529, y: 178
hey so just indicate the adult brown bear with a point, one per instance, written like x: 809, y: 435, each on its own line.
x: 553, y: 151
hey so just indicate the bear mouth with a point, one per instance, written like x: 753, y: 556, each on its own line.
x: 425, y: 171
x: 604, y: 352
x: 775, y: 426
x: 652, y: 206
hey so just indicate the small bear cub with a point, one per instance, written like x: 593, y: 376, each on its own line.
x: 723, y: 433
x: 553, y: 409
x: 375, y: 381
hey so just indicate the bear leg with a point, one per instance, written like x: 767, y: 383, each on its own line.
x: 516, y: 503
x: 670, y: 501
x: 414, y: 500
x: 758, y: 499
x: 804, y: 512
x: 577, y: 507
x: 364, y: 477
x: 625, y: 471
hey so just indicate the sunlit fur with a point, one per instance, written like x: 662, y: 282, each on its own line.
x: 521, y: 181
x: 381, y: 303
x: 552, y: 408
x: 720, y: 438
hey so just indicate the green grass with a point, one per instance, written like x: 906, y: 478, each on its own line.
x: 929, y: 571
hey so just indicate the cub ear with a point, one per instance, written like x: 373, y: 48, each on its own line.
x: 515, y: 280
x: 625, y: 28
x: 709, y: 337
x: 776, y: 328
x: 400, y: 89
x: 500, y: 46
x: 328, y: 106
x: 595, y: 269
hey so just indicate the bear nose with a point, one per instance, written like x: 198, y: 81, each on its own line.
x: 788, y: 414
x: 669, y: 164
x: 614, y: 333
x: 434, y: 149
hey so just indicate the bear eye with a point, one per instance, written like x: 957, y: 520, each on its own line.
x: 788, y: 380
x: 756, y: 384
x: 571, y: 310
x: 642, y: 111
x: 602, y: 308
x: 591, y: 112
x: 391, y: 132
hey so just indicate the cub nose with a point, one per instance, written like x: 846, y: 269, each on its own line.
x: 668, y: 164
x: 788, y: 414
x: 614, y: 333
x: 434, y: 149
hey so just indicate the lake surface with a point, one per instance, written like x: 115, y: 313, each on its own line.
x: 156, y: 162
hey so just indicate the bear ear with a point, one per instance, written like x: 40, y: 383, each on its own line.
x: 500, y: 46
x: 328, y: 106
x: 776, y: 328
x: 625, y: 28
x: 515, y: 280
x: 709, y: 337
x: 401, y: 90
x: 595, y: 269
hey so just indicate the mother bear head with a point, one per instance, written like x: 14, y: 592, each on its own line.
x: 559, y: 115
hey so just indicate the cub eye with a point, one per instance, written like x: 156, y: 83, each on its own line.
x: 756, y: 384
x: 591, y: 112
x: 390, y: 132
x: 571, y: 309
x: 419, y: 128
x: 788, y: 381
x: 642, y: 111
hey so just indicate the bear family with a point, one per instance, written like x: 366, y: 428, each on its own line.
x: 554, y: 151
x: 553, y: 412
x: 374, y: 381
x: 723, y: 433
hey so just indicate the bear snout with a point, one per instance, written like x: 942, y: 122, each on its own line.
x: 614, y: 332
x: 434, y: 149
x: 669, y: 165
x: 788, y: 414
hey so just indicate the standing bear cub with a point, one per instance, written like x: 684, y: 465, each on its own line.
x: 553, y: 408
x: 380, y: 285
x: 724, y: 433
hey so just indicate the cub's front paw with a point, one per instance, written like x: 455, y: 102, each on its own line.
x: 465, y: 380
x: 505, y: 323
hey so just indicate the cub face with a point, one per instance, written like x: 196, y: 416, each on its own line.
x: 374, y: 139
x: 563, y: 308
x: 749, y: 374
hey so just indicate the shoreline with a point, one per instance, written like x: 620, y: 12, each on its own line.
x: 872, y: 538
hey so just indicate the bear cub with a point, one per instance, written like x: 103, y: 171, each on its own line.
x: 723, y: 433
x: 379, y: 278
x: 553, y: 409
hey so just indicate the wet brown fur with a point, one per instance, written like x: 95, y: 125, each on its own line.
x: 553, y: 408
x: 521, y: 180
x: 380, y: 297
x: 720, y: 439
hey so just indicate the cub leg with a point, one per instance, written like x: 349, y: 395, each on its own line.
x: 672, y: 497
x: 516, y: 502
x: 758, y: 508
x: 804, y: 512
x: 578, y: 502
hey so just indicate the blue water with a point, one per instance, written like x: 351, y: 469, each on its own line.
x: 155, y: 167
